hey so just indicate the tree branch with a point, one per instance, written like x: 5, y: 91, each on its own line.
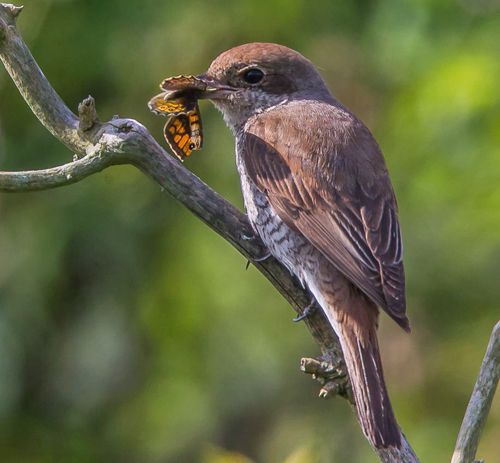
x: 125, y: 141
x: 47, y: 179
x: 480, y: 402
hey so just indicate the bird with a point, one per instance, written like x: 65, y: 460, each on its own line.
x: 317, y: 192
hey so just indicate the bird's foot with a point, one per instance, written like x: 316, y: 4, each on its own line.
x: 257, y: 240
x: 331, y: 373
x: 309, y: 310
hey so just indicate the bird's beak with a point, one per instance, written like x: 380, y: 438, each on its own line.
x: 201, y: 87
x: 214, y: 88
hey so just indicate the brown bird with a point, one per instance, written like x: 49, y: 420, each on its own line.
x: 317, y: 191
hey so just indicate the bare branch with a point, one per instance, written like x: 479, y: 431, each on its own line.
x: 46, y: 179
x: 34, y: 87
x: 125, y: 141
x: 480, y: 402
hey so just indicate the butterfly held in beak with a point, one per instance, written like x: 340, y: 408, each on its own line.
x: 183, y: 131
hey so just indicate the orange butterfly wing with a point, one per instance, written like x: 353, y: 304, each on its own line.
x: 163, y: 106
x: 184, y: 133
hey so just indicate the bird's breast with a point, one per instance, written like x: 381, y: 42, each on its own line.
x: 289, y: 247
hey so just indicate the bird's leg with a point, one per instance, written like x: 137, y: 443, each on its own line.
x: 266, y: 256
x: 331, y: 373
x: 329, y: 370
x: 309, y: 310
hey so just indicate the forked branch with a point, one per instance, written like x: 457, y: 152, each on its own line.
x: 125, y: 141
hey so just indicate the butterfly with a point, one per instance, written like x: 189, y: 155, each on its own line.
x: 183, y: 131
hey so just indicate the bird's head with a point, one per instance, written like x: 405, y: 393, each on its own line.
x: 251, y: 78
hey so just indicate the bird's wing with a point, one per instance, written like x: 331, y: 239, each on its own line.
x: 325, y: 176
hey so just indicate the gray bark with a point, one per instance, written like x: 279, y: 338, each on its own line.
x: 480, y: 402
x: 125, y: 141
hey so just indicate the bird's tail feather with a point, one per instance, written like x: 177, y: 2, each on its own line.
x: 370, y: 393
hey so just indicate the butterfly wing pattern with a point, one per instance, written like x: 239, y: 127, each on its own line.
x: 183, y: 131
x: 164, y: 105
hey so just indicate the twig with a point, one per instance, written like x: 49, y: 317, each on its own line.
x: 47, y: 179
x: 122, y: 141
x: 480, y: 402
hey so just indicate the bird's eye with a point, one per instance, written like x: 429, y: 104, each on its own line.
x: 253, y: 76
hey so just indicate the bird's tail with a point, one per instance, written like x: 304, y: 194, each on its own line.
x: 364, y: 365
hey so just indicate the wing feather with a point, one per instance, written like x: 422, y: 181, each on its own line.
x: 335, y: 190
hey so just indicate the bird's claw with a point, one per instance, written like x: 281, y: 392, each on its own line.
x: 259, y: 259
x: 330, y: 389
x: 263, y: 258
x: 309, y: 310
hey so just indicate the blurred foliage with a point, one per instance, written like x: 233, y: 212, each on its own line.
x: 129, y: 332
x: 218, y: 455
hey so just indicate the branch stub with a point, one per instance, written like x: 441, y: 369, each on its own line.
x: 87, y: 114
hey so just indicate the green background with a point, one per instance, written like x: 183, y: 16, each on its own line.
x: 130, y: 332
